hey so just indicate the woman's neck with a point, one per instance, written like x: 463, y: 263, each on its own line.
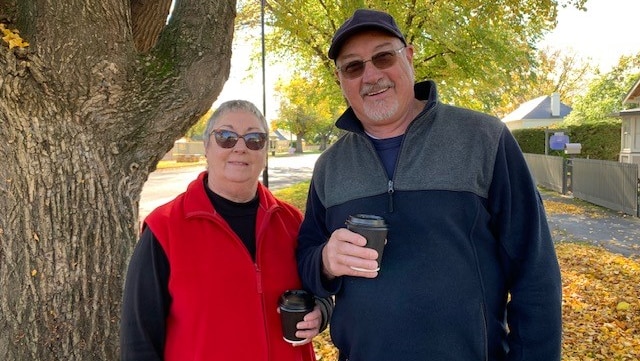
x: 240, y: 193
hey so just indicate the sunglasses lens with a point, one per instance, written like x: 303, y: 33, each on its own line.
x: 255, y: 141
x: 353, y: 69
x: 384, y: 60
x: 381, y: 60
x: 226, y: 138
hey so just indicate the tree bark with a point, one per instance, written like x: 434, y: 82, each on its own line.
x: 84, y: 119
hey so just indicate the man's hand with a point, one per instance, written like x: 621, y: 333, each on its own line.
x: 345, y: 254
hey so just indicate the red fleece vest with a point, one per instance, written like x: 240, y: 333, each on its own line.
x: 223, y: 304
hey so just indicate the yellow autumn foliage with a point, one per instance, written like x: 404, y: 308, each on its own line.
x: 601, y: 306
x: 12, y: 38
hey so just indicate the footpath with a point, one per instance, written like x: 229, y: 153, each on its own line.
x: 585, y: 222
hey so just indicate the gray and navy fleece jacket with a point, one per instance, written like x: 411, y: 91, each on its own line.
x: 469, y: 271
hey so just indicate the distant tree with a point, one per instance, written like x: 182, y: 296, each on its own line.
x: 605, y: 93
x: 556, y: 71
x: 470, y: 48
x: 92, y: 95
x: 306, y: 111
x: 197, y: 130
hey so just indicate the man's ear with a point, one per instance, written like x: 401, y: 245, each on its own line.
x: 409, y: 51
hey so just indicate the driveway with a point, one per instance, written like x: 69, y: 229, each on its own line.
x: 614, y: 231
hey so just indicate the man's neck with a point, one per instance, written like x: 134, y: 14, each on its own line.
x: 384, y: 131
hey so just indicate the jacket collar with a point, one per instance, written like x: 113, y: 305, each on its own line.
x: 197, y: 201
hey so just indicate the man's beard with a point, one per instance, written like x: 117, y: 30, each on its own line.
x: 381, y: 110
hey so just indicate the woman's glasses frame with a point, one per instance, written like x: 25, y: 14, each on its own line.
x: 228, y: 139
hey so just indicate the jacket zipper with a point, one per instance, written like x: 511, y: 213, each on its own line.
x: 390, y: 188
x: 390, y: 191
x: 267, y: 216
x: 390, y: 184
x: 258, y: 271
x: 258, y: 279
x: 264, y: 308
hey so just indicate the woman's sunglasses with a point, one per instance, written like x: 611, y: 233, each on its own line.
x: 381, y: 60
x: 228, y: 139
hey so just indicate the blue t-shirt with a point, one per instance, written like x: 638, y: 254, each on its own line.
x: 388, y: 150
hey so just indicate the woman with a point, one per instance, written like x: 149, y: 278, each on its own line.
x: 204, y: 280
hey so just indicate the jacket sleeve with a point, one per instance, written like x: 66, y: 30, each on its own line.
x: 145, y: 302
x: 326, y: 308
x: 311, y: 240
x: 534, y: 312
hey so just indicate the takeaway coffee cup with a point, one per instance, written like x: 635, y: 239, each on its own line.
x: 294, y: 305
x: 374, y: 229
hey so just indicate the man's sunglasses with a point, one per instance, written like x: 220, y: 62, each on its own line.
x: 228, y: 139
x: 381, y: 60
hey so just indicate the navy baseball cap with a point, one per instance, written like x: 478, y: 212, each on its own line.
x: 364, y: 19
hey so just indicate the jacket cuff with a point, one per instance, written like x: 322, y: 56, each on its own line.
x: 326, y: 309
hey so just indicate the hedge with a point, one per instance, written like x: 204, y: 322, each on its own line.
x: 599, y: 140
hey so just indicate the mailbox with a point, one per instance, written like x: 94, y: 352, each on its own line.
x: 558, y: 140
x: 572, y: 148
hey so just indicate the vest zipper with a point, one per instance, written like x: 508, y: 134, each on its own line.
x: 258, y: 278
x: 264, y: 308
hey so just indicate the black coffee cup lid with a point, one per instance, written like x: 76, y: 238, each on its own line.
x: 297, y: 299
x: 367, y: 220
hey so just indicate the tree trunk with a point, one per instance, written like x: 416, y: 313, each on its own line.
x: 84, y: 118
x: 66, y: 232
x: 299, y: 148
x: 324, y: 140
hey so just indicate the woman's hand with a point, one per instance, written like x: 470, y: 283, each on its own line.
x: 310, y: 326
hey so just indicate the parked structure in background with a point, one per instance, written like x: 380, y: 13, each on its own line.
x: 538, y: 113
x: 281, y: 140
x: 630, y: 130
x: 185, y: 151
x: 614, y: 185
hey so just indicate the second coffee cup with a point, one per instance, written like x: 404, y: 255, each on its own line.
x: 374, y: 229
x: 294, y: 305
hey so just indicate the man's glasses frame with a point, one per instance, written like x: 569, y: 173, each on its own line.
x: 228, y: 139
x: 382, y: 60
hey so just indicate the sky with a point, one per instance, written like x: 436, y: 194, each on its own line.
x: 606, y: 31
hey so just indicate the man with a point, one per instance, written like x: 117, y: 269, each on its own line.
x: 469, y: 270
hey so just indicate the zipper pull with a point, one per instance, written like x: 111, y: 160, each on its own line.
x: 390, y: 190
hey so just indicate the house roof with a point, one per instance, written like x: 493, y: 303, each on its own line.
x: 282, y: 134
x: 633, y: 111
x: 633, y: 97
x: 538, y: 108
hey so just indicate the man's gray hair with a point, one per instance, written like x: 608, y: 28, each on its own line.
x: 232, y: 106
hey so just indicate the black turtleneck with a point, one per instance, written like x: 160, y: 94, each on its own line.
x: 241, y: 217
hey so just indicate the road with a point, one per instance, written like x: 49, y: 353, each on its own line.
x: 616, y: 231
x: 163, y: 185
